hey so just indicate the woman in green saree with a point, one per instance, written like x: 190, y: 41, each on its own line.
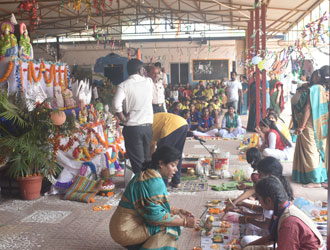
x: 144, y: 219
x: 276, y: 94
x: 310, y: 117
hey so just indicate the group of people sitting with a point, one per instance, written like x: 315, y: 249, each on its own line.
x: 203, y: 118
x: 145, y: 220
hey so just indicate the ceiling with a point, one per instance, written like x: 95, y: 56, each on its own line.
x: 57, y: 20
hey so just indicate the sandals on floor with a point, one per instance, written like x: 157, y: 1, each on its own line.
x: 312, y: 185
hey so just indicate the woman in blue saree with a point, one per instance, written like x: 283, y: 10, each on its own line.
x: 144, y: 219
x: 310, y: 116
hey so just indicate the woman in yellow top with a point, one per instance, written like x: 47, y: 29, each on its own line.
x: 170, y: 129
x: 208, y: 92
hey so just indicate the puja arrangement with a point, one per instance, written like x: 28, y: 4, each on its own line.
x: 219, y: 230
x: 69, y: 121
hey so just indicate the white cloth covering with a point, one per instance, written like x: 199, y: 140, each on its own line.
x: 213, y: 132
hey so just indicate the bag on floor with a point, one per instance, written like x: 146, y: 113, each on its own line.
x: 82, y: 189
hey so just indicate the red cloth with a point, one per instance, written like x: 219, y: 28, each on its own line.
x: 187, y: 93
x: 279, y: 143
x: 295, y: 235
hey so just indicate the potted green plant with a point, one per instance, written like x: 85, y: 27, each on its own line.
x: 25, y: 141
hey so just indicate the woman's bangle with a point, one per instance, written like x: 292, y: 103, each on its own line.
x: 173, y: 208
x: 246, y: 219
x: 184, y: 222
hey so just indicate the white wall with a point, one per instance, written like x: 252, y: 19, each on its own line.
x: 165, y: 52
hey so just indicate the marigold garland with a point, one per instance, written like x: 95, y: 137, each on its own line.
x: 8, y: 72
x: 66, y: 77
x: 32, y: 73
x: 60, y: 77
x: 48, y: 78
x: 120, y: 150
x: 114, y: 158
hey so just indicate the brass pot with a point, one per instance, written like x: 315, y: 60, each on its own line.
x: 191, y: 171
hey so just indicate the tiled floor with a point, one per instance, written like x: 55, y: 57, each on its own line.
x: 52, y: 223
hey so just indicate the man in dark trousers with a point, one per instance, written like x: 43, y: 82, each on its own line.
x: 133, y: 105
x: 170, y: 129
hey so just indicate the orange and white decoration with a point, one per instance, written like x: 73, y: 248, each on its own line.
x: 47, y: 74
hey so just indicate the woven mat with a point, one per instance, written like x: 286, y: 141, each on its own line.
x: 189, y: 186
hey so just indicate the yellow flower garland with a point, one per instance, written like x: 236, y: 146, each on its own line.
x: 9, y: 70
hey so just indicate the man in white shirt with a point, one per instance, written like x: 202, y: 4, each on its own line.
x: 233, y: 91
x: 158, y: 97
x: 163, y: 76
x: 133, y: 105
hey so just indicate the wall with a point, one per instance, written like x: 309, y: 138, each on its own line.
x: 165, y: 52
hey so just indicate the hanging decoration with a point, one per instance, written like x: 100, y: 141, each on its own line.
x: 61, y: 6
x: 31, y: 7
x: 99, y: 6
x: 76, y: 5
x: 178, y: 29
x: 315, y: 34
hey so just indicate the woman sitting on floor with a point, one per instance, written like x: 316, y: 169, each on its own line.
x: 280, y: 124
x: 253, y: 156
x: 275, y: 144
x: 290, y: 228
x: 144, y: 219
x: 257, y: 218
x: 206, y: 125
x: 231, y: 125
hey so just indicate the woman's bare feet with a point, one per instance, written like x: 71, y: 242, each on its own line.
x: 312, y: 185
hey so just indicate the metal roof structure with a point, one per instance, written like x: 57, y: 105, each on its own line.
x: 58, y: 17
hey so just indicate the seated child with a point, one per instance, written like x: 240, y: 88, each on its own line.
x: 185, y: 104
x: 280, y: 124
x: 206, y: 126
x: 290, y: 228
x: 186, y: 115
x: 194, y: 116
x: 258, y: 218
x: 275, y: 143
x: 175, y: 109
x: 213, y: 113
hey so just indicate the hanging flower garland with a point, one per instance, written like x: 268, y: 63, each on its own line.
x: 49, y: 80
x: 32, y: 73
x: 56, y: 141
x: 8, y: 72
x: 66, y: 77
x: 112, y: 160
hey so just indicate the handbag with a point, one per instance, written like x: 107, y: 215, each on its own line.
x: 82, y: 189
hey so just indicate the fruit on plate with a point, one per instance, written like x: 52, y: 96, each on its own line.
x: 225, y: 224
x: 217, y: 239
